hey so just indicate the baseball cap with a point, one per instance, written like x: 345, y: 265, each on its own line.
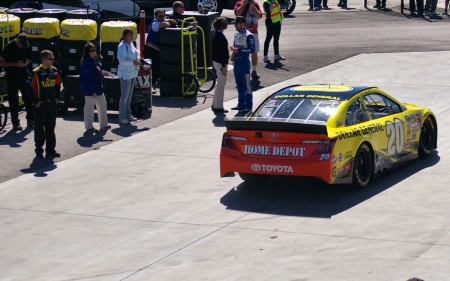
x: 238, y: 20
x: 23, y: 40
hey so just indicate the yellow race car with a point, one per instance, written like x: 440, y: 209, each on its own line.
x: 341, y: 134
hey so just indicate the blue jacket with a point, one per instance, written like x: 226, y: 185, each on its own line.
x: 89, y: 77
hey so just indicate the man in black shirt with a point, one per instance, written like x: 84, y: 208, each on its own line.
x: 178, y: 10
x: 14, y: 58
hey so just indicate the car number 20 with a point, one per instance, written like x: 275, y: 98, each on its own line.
x: 396, y: 137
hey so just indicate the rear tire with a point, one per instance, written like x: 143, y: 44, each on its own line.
x: 427, y: 137
x: 253, y: 177
x: 362, y: 166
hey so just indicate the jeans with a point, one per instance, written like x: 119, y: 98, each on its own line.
x: 126, y: 91
x: 430, y: 5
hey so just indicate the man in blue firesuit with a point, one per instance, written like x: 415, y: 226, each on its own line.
x: 243, y: 47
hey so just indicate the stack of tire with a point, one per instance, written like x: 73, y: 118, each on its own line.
x: 23, y: 14
x: 11, y: 23
x: 43, y: 34
x: 74, y: 34
x: 110, y: 36
x: 178, y: 48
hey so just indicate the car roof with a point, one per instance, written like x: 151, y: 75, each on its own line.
x: 322, y: 91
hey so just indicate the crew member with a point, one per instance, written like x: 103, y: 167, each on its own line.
x: 243, y: 46
x: 45, y: 86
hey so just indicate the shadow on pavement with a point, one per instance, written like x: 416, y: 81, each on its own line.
x: 15, y: 138
x: 310, y: 197
x: 40, y: 167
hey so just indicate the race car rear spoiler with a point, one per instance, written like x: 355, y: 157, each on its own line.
x: 259, y: 125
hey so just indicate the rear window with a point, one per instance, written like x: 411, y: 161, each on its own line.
x: 298, y: 110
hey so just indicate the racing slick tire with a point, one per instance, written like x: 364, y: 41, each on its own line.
x: 253, y: 177
x: 362, y: 166
x: 287, y: 7
x: 427, y: 137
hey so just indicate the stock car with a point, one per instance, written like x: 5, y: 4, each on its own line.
x: 340, y: 134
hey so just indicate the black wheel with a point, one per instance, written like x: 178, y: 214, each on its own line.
x: 362, y: 166
x: 253, y: 177
x: 211, y: 5
x: 61, y: 109
x: 3, y: 116
x: 287, y: 6
x: 427, y: 137
x: 206, y: 85
x: 138, y: 109
x: 187, y: 85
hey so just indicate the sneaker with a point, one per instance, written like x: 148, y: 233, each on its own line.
x: 279, y: 57
x: 124, y: 121
x: 434, y: 13
x: 266, y: 59
x: 254, y: 75
x: 237, y: 108
x: 17, y: 127
x: 427, y: 13
x: 219, y: 110
x: 131, y: 119
x: 52, y: 154
x: 30, y: 123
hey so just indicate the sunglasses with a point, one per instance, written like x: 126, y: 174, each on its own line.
x: 52, y: 59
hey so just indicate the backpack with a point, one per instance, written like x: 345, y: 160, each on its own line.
x: 115, y: 61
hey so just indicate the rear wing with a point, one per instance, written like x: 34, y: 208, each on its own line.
x: 254, y: 124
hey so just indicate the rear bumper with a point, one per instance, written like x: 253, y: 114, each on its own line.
x: 232, y: 161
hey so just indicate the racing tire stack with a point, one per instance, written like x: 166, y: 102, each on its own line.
x: 174, y: 50
x: 43, y: 34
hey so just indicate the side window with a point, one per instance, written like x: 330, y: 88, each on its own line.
x: 380, y: 106
x: 356, y: 114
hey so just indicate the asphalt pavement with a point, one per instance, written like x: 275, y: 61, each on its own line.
x: 145, y: 201
x: 309, y: 40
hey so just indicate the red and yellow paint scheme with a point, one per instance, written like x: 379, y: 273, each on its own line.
x: 337, y: 133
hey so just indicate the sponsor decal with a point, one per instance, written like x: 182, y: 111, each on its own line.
x: 32, y: 30
x: 272, y: 168
x: 273, y: 137
x: 363, y: 130
x: 325, y: 97
x: 413, y: 136
x: 5, y: 29
x: 256, y: 167
x: 267, y: 150
x: 407, y: 118
x: 347, y: 167
x: 407, y: 143
x: 64, y: 32
x: 339, y: 170
x: 338, y: 123
x: 333, y: 160
x: 340, y: 157
x: 348, y: 155
x: 333, y: 171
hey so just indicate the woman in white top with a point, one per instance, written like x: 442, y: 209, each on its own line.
x: 127, y: 71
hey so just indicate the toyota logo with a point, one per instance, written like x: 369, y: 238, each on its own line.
x: 256, y: 167
x: 273, y: 137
